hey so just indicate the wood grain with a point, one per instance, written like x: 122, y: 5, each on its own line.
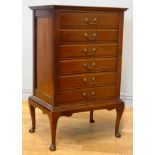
x: 87, y: 50
x: 78, y: 8
x: 78, y: 65
x: 59, y: 30
x: 85, y: 94
x: 86, y: 20
x: 43, y: 62
x: 89, y: 139
x: 84, y: 80
x: 77, y: 35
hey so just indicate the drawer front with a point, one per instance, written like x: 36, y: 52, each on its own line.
x: 84, y: 20
x: 84, y: 80
x: 96, y: 93
x: 85, y: 35
x: 101, y: 50
x: 84, y: 66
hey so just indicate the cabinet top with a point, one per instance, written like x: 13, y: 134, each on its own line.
x: 71, y: 7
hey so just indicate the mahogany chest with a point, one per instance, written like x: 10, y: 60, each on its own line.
x: 77, y: 58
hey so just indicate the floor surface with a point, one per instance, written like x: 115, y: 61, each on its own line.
x: 76, y: 136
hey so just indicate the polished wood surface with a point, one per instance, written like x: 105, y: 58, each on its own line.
x: 87, y: 94
x: 75, y: 135
x: 80, y: 35
x: 44, y: 59
x: 78, y: 8
x: 87, y: 50
x: 88, y: 20
x: 74, y: 45
x: 88, y: 79
x: 87, y: 65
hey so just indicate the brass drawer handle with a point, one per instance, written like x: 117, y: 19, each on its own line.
x: 85, y: 50
x: 85, y: 64
x: 85, y: 34
x: 93, y: 93
x: 84, y: 94
x: 94, y: 34
x: 93, y: 79
x: 94, y: 49
x: 95, y: 19
x: 93, y: 64
x: 86, y: 19
x: 84, y: 80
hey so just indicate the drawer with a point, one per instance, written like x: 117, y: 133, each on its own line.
x: 96, y: 93
x: 85, y: 35
x: 84, y: 80
x: 86, y: 50
x: 84, y: 20
x: 86, y: 65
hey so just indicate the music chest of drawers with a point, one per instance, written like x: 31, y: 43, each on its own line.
x: 76, y: 62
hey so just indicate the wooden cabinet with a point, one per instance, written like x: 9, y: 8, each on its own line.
x: 76, y: 62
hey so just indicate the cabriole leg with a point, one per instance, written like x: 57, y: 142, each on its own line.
x: 32, y: 112
x: 91, y: 117
x: 53, y: 117
x: 119, y: 111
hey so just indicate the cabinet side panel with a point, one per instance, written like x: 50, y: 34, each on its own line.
x: 119, y: 62
x: 44, y: 60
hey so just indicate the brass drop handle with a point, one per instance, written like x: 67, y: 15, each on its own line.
x: 86, y: 19
x: 95, y: 19
x: 84, y: 94
x: 94, y: 34
x: 85, y: 34
x: 93, y: 93
x: 94, y: 49
x: 85, y: 50
x: 93, y: 79
x: 84, y: 80
x: 93, y: 64
x: 85, y: 64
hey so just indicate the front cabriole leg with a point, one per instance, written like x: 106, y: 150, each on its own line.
x: 53, y: 118
x: 119, y: 110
